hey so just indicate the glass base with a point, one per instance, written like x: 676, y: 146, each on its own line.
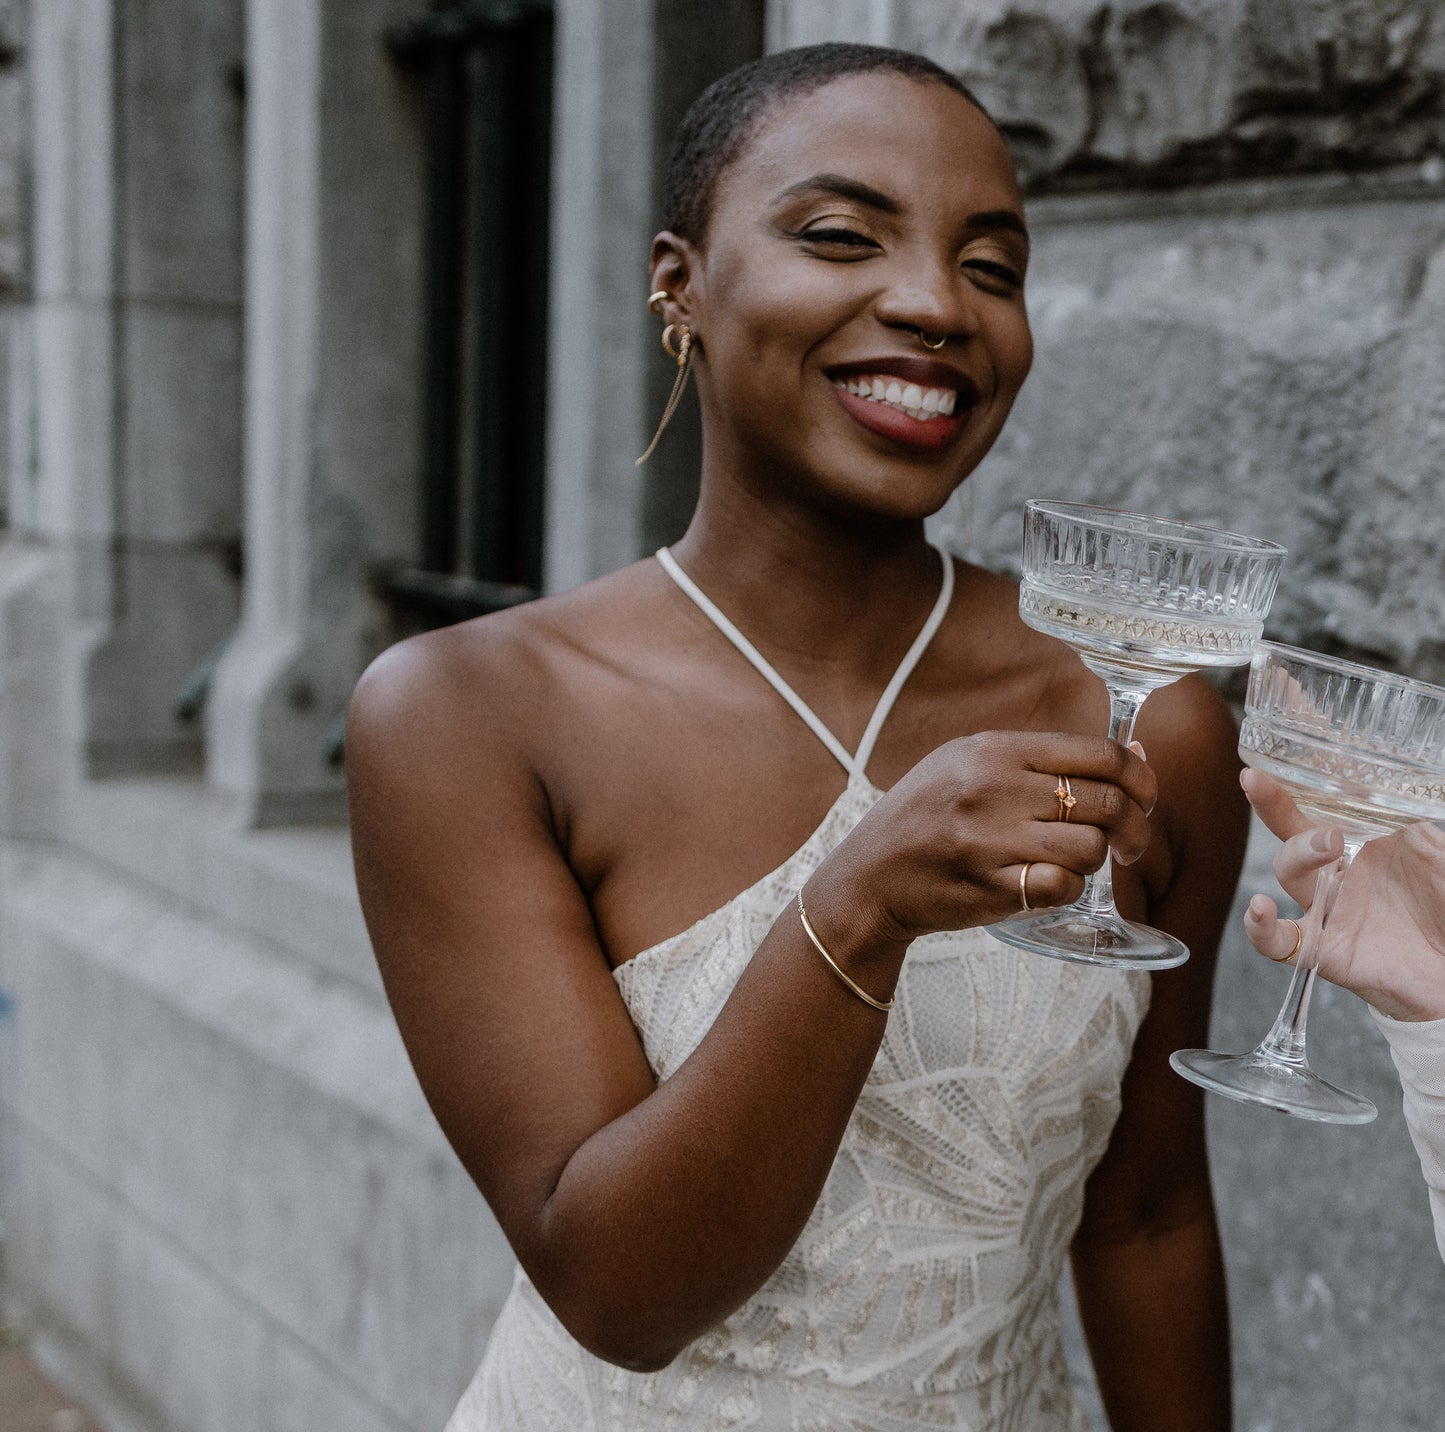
x: 1089, y: 937
x: 1257, y: 1079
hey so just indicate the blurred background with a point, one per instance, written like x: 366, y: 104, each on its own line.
x: 321, y: 322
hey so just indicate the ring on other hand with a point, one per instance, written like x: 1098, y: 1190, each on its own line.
x: 1064, y: 794
x: 1299, y: 939
x: 1024, y: 884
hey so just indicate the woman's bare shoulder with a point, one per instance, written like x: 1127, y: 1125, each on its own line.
x: 1053, y: 689
x: 502, y: 671
x: 989, y: 602
x: 1190, y: 724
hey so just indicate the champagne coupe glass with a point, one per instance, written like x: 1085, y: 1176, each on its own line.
x: 1143, y: 600
x: 1357, y: 749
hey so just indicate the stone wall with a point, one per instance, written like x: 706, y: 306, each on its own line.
x: 1169, y: 92
x: 1159, y: 93
x: 1273, y: 367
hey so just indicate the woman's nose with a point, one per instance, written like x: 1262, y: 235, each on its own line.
x: 938, y: 304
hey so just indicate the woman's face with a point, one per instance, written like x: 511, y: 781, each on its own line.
x: 858, y: 216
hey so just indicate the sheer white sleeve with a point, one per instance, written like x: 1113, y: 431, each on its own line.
x: 1418, y: 1050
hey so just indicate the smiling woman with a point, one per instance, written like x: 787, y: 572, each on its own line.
x: 700, y: 992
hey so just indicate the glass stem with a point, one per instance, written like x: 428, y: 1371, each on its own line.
x: 1286, y: 1041
x: 1124, y: 704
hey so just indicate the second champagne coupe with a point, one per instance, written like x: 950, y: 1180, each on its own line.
x: 1357, y: 749
x: 1143, y: 600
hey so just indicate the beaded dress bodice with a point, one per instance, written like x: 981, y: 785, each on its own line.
x: 922, y: 1291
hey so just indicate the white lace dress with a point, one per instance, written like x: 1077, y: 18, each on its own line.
x: 922, y: 1292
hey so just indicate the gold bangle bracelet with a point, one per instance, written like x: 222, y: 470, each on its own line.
x: 880, y: 1004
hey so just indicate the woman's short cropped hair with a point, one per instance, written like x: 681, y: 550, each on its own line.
x: 722, y: 118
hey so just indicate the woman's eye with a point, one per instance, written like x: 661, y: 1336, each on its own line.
x: 844, y: 238
x: 999, y: 275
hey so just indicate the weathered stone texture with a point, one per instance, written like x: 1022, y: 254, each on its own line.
x: 1173, y: 91
x: 1278, y: 373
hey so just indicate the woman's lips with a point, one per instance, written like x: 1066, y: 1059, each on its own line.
x: 920, y: 402
x: 916, y: 428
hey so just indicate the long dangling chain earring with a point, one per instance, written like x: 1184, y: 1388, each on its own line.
x: 680, y: 349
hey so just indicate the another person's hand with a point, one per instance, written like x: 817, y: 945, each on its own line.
x: 1385, y: 938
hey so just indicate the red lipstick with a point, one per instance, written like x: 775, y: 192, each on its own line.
x: 925, y: 431
x: 890, y: 422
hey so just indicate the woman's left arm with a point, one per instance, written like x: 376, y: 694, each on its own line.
x: 1148, y: 1267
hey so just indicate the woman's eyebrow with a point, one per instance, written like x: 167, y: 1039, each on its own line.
x: 999, y: 219
x: 845, y: 188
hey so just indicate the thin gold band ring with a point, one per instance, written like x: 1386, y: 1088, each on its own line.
x: 1299, y: 939
x: 1024, y: 884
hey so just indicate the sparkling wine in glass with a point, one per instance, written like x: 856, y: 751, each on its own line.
x: 1144, y: 601
x: 1360, y: 750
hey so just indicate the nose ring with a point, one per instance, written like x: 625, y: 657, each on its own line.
x: 932, y: 347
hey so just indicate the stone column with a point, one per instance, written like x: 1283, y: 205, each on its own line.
x: 333, y: 324
x: 136, y: 334
x: 601, y: 227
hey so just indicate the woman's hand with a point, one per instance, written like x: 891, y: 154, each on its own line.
x: 1385, y: 938
x: 946, y: 848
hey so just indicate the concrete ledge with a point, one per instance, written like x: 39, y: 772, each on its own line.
x: 232, y: 1193
x: 292, y: 887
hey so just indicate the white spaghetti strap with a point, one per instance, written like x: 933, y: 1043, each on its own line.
x: 759, y: 661
x: 855, y: 765
x: 911, y: 658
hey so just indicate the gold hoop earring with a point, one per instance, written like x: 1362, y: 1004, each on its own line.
x: 683, y: 354
x: 932, y: 347
x: 655, y: 300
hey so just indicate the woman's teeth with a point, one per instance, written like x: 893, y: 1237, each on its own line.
x: 908, y: 398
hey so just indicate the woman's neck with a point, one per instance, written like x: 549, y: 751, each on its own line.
x: 796, y: 578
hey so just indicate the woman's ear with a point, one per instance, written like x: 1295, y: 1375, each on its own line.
x: 676, y: 272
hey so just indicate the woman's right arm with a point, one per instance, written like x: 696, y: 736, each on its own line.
x: 645, y: 1213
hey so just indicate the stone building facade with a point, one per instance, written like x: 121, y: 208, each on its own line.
x: 229, y: 1210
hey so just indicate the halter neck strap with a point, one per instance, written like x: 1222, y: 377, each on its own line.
x: 855, y: 764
